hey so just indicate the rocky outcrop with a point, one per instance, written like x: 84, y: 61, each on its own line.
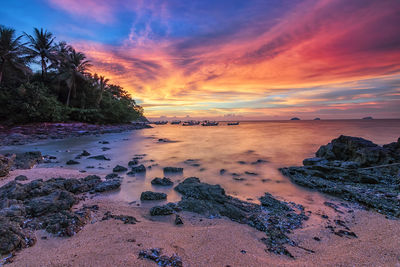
x: 119, y: 168
x: 155, y: 255
x: 43, y: 205
x: 354, y: 169
x: 273, y: 217
x: 27, y: 160
x: 173, y: 169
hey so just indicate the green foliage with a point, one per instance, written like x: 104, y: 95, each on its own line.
x: 30, y: 103
x: 62, y: 91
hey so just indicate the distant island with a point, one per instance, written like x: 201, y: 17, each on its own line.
x: 317, y: 119
x: 368, y: 118
x: 63, y: 90
x: 295, y: 119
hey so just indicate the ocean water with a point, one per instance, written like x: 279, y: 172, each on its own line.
x: 210, y: 149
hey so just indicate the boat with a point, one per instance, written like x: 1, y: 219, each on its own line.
x: 175, y: 122
x: 160, y: 122
x: 190, y: 123
x: 233, y: 123
x: 210, y: 123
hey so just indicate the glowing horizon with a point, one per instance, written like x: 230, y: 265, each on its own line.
x: 256, y: 59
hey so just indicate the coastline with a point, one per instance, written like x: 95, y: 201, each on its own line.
x: 34, y: 132
x: 202, y: 241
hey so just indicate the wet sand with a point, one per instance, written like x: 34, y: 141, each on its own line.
x: 203, y: 242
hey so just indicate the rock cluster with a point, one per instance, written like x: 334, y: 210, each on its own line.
x: 43, y: 205
x: 354, y: 169
x: 273, y: 217
x: 24, y: 160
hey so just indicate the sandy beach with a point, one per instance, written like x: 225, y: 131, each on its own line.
x: 201, y: 241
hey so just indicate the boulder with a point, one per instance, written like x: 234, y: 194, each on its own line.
x: 28, y: 159
x: 173, y: 169
x: 6, y: 164
x: 162, y: 182
x: 149, y: 195
x: 119, y: 168
x: 99, y: 157
x: 72, y: 162
x: 108, y: 185
x: 138, y: 169
x: 161, y: 210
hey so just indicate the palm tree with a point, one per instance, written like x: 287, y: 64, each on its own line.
x: 12, y: 51
x: 41, y: 44
x: 102, y: 83
x: 72, y: 69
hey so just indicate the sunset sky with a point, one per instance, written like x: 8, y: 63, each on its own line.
x: 258, y: 59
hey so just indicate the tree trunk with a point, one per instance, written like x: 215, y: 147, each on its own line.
x: 1, y: 71
x: 69, y: 96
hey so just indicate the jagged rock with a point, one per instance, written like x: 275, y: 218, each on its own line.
x: 5, y: 164
x: 178, y: 220
x: 119, y: 168
x: 72, y: 162
x: 124, y: 218
x: 21, y: 178
x: 99, y: 157
x: 108, y: 185
x: 154, y: 254
x: 133, y: 162
x: 111, y: 176
x: 173, y: 169
x: 138, y: 169
x: 162, y: 182
x: 27, y: 160
x: 161, y: 210
x: 354, y: 169
x: 148, y: 195
x: 84, y: 154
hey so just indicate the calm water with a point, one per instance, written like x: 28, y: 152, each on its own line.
x: 280, y: 143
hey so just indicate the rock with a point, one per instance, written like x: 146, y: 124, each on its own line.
x: 72, y: 162
x: 108, y: 185
x: 148, y: 195
x: 173, y: 169
x: 84, y: 154
x: 21, y: 178
x: 251, y: 173
x: 162, y: 182
x: 119, y: 168
x: 99, y: 157
x: 314, y: 161
x: 124, y: 218
x: 295, y: 119
x: 140, y: 168
x: 111, y: 176
x: 161, y: 210
x: 5, y: 164
x: 52, y: 203
x: 154, y: 254
x: 317, y: 119
x: 13, y: 237
x: 275, y: 218
x: 222, y: 171
x: 133, y: 162
x: 27, y: 160
x: 178, y: 220
x: 354, y: 169
x: 259, y: 161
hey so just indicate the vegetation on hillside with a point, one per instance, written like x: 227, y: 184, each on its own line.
x: 61, y: 88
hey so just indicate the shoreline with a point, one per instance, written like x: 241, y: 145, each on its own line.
x: 30, y: 133
x: 201, y: 241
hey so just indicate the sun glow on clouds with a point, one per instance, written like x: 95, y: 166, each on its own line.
x: 259, y: 59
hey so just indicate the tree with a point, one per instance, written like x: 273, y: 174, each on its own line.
x: 73, y: 68
x: 12, y: 52
x: 41, y: 45
x: 102, y: 83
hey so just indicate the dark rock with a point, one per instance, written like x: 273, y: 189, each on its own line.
x: 124, y: 218
x: 275, y: 218
x: 178, y: 220
x: 162, y: 182
x: 104, y: 142
x: 119, y: 168
x: 84, y: 154
x: 111, y: 176
x: 13, y: 237
x: 52, y: 203
x: 5, y: 164
x: 148, y: 195
x: 108, y: 185
x: 99, y: 157
x: 161, y: 210
x: 222, y: 171
x: 140, y: 168
x: 354, y: 169
x: 72, y: 162
x: 21, y: 178
x: 173, y: 169
x: 27, y: 160
x: 250, y: 173
x: 295, y: 119
x: 133, y: 162
x: 259, y: 161
x: 154, y: 254
x: 317, y: 238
